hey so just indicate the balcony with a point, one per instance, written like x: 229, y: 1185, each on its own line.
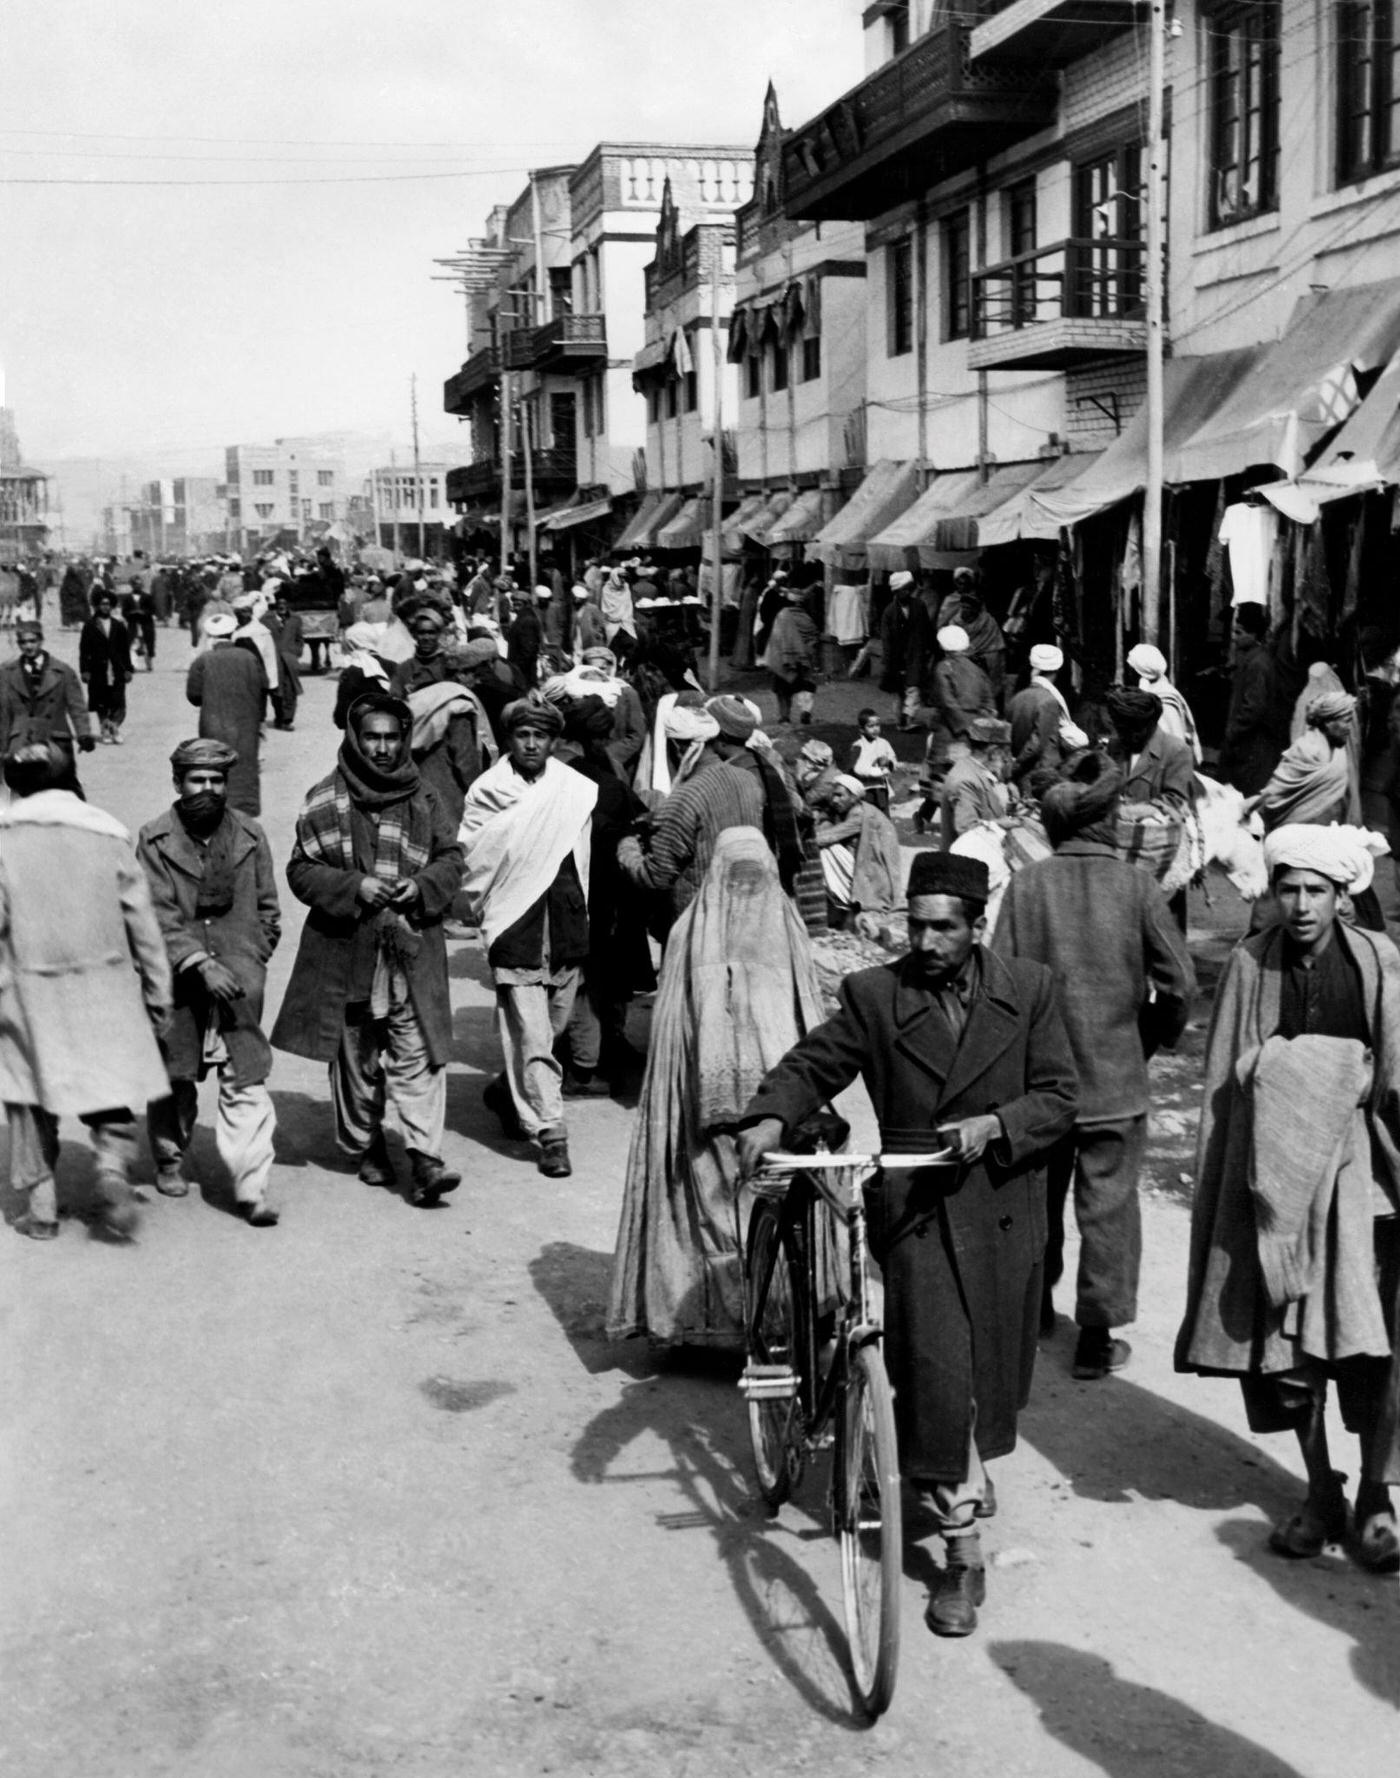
x: 479, y: 373
x: 1050, y: 33
x: 922, y: 117
x: 552, y: 471
x: 567, y: 344
x: 1058, y: 307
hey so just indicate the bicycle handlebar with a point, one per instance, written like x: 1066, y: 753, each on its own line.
x: 793, y: 1163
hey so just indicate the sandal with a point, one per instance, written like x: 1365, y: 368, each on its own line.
x: 1316, y: 1524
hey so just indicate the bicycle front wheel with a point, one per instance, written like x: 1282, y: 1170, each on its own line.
x: 870, y: 1529
x: 775, y: 1347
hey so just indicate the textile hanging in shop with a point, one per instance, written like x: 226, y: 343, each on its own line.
x: 1248, y: 531
x: 1351, y: 593
x: 848, y: 613
x: 1312, y: 592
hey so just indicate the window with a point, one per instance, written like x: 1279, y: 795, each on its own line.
x: 811, y: 359
x: 293, y: 483
x: 654, y: 403
x: 235, y: 509
x: 600, y: 404
x: 1107, y: 279
x: 752, y: 366
x: 673, y: 397
x: 778, y: 379
x: 433, y: 495
x: 899, y: 27
x: 327, y: 509
x: 325, y: 478
x: 957, y: 275
x: 1021, y: 239
x: 264, y: 512
x: 1243, y: 98
x: 262, y: 478
x: 1368, y: 88
x: 561, y: 291
x: 692, y: 391
x: 899, y: 298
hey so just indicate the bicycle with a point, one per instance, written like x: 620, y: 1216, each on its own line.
x: 813, y: 1380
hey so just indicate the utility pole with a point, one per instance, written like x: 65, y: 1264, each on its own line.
x: 525, y: 454
x: 417, y: 470
x: 716, y: 524
x: 1152, y: 291
x: 505, y: 469
x: 394, y: 497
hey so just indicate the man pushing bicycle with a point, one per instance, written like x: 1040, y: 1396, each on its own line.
x: 964, y: 1051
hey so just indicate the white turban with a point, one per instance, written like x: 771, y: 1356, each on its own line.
x: 219, y: 624
x: 902, y: 579
x: 1046, y: 658
x: 1346, y: 856
x: 854, y: 785
x: 953, y: 639
x: 1147, y: 660
x: 690, y: 722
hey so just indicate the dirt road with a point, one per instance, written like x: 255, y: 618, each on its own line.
x: 369, y: 1493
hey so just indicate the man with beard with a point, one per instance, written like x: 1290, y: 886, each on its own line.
x: 377, y: 862
x: 215, y: 896
x: 41, y: 703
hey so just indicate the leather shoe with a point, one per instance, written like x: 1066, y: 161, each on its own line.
x: 1097, y: 1353
x: 375, y: 1166
x: 430, y: 1179
x: 554, y: 1157
x: 258, y: 1215
x: 959, y: 1589
x: 497, y: 1097
x: 171, y: 1182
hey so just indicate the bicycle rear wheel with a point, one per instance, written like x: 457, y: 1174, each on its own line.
x: 771, y: 1377
x: 870, y: 1529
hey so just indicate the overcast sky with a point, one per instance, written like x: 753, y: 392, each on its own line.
x: 179, y: 316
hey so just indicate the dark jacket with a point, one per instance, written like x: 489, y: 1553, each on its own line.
x: 961, y: 1247
x: 243, y: 939
x: 52, y: 710
x: 1035, y: 715
x: 1256, y: 726
x: 337, y: 945
x: 1103, y: 926
x: 1165, y: 772
x: 229, y: 685
x: 104, y: 662
x: 450, y: 768
x: 906, y: 640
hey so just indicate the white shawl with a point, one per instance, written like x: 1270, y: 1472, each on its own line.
x: 516, y: 833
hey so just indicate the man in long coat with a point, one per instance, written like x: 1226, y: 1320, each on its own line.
x: 104, y: 666
x: 285, y: 628
x: 1294, y: 1279
x: 41, y: 701
x: 960, y: 1050
x: 905, y: 642
x: 1103, y: 927
x: 377, y: 862
x: 84, y: 987
x: 1256, y: 725
x: 229, y: 685
x: 215, y: 896
x: 453, y: 759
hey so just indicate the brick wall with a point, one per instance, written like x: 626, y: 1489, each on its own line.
x: 1090, y: 428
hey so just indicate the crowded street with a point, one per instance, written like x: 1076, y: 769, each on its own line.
x: 374, y: 1492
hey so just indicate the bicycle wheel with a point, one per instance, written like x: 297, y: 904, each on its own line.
x: 870, y: 1529
x: 774, y: 1337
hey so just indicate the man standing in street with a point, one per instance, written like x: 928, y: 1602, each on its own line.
x: 527, y: 833
x: 378, y: 864
x: 1294, y: 1277
x: 41, y: 702
x: 975, y: 788
x: 228, y: 684
x: 1102, y: 926
x: 1039, y: 716
x: 963, y: 1051
x: 104, y: 666
x: 905, y: 645
x: 84, y: 988
x: 285, y: 628
x: 1156, y: 767
x: 215, y: 896
x: 1256, y: 726
x: 451, y: 757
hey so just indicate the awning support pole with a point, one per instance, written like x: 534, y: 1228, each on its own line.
x: 1152, y: 495
x: 717, y: 567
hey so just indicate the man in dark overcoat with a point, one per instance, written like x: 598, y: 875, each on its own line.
x: 41, y: 703
x: 285, y: 627
x: 228, y: 683
x: 377, y: 862
x: 1103, y: 926
x: 964, y: 1051
x: 215, y: 896
x: 104, y: 666
x: 1256, y: 725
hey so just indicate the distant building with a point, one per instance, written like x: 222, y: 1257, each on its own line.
x: 281, y: 487
x: 399, y: 497
x: 24, y: 498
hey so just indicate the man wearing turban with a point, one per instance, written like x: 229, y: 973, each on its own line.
x: 960, y: 693
x: 1038, y: 715
x: 1157, y: 768
x: 229, y: 686
x: 1313, y: 783
x: 215, y: 896
x: 1295, y: 1232
x: 1150, y: 665
x: 1103, y: 926
x: 961, y: 1051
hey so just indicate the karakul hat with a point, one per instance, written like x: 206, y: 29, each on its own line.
x: 948, y: 873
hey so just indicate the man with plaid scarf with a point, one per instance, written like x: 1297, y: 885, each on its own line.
x: 377, y: 862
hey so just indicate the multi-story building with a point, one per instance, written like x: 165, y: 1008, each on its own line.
x: 24, y: 498
x: 410, y: 507
x: 556, y: 296
x: 281, y: 487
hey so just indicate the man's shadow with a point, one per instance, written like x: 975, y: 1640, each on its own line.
x: 687, y: 1399
x: 1116, y: 1442
x: 1125, y: 1729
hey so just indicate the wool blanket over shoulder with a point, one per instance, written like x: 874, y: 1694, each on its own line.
x: 515, y: 834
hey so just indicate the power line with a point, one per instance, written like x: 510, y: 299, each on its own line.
x: 273, y: 141
x: 339, y: 179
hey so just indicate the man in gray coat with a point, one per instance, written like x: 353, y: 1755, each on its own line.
x: 1103, y: 927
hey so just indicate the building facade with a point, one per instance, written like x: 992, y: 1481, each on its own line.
x: 278, y: 488
x: 24, y: 499
x: 410, y: 507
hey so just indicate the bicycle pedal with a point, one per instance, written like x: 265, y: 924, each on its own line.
x: 768, y: 1382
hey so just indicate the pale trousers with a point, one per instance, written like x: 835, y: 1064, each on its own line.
x: 34, y: 1155
x: 385, y: 1062
x: 954, y: 1504
x: 244, y: 1126
x: 529, y: 1016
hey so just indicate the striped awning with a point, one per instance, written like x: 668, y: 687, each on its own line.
x: 887, y: 490
x: 658, y: 508
x: 803, y: 519
x: 686, y: 530
x: 587, y: 512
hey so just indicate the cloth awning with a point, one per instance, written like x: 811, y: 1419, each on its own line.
x: 651, y: 357
x: 889, y: 487
x: 736, y: 525
x: 586, y: 512
x: 897, y: 544
x: 957, y: 540
x: 1366, y: 452
x: 546, y: 515
x: 1017, y: 517
x: 1192, y: 390
x: 803, y: 519
x: 760, y: 526
x: 686, y: 530
x: 657, y: 509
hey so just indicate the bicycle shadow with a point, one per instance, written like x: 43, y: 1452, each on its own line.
x: 686, y: 1399
x: 1122, y: 1728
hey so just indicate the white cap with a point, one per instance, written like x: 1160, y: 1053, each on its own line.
x: 901, y: 579
x: 953, y: 639
x: 1147, y: 660
x: 1046, y: 658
